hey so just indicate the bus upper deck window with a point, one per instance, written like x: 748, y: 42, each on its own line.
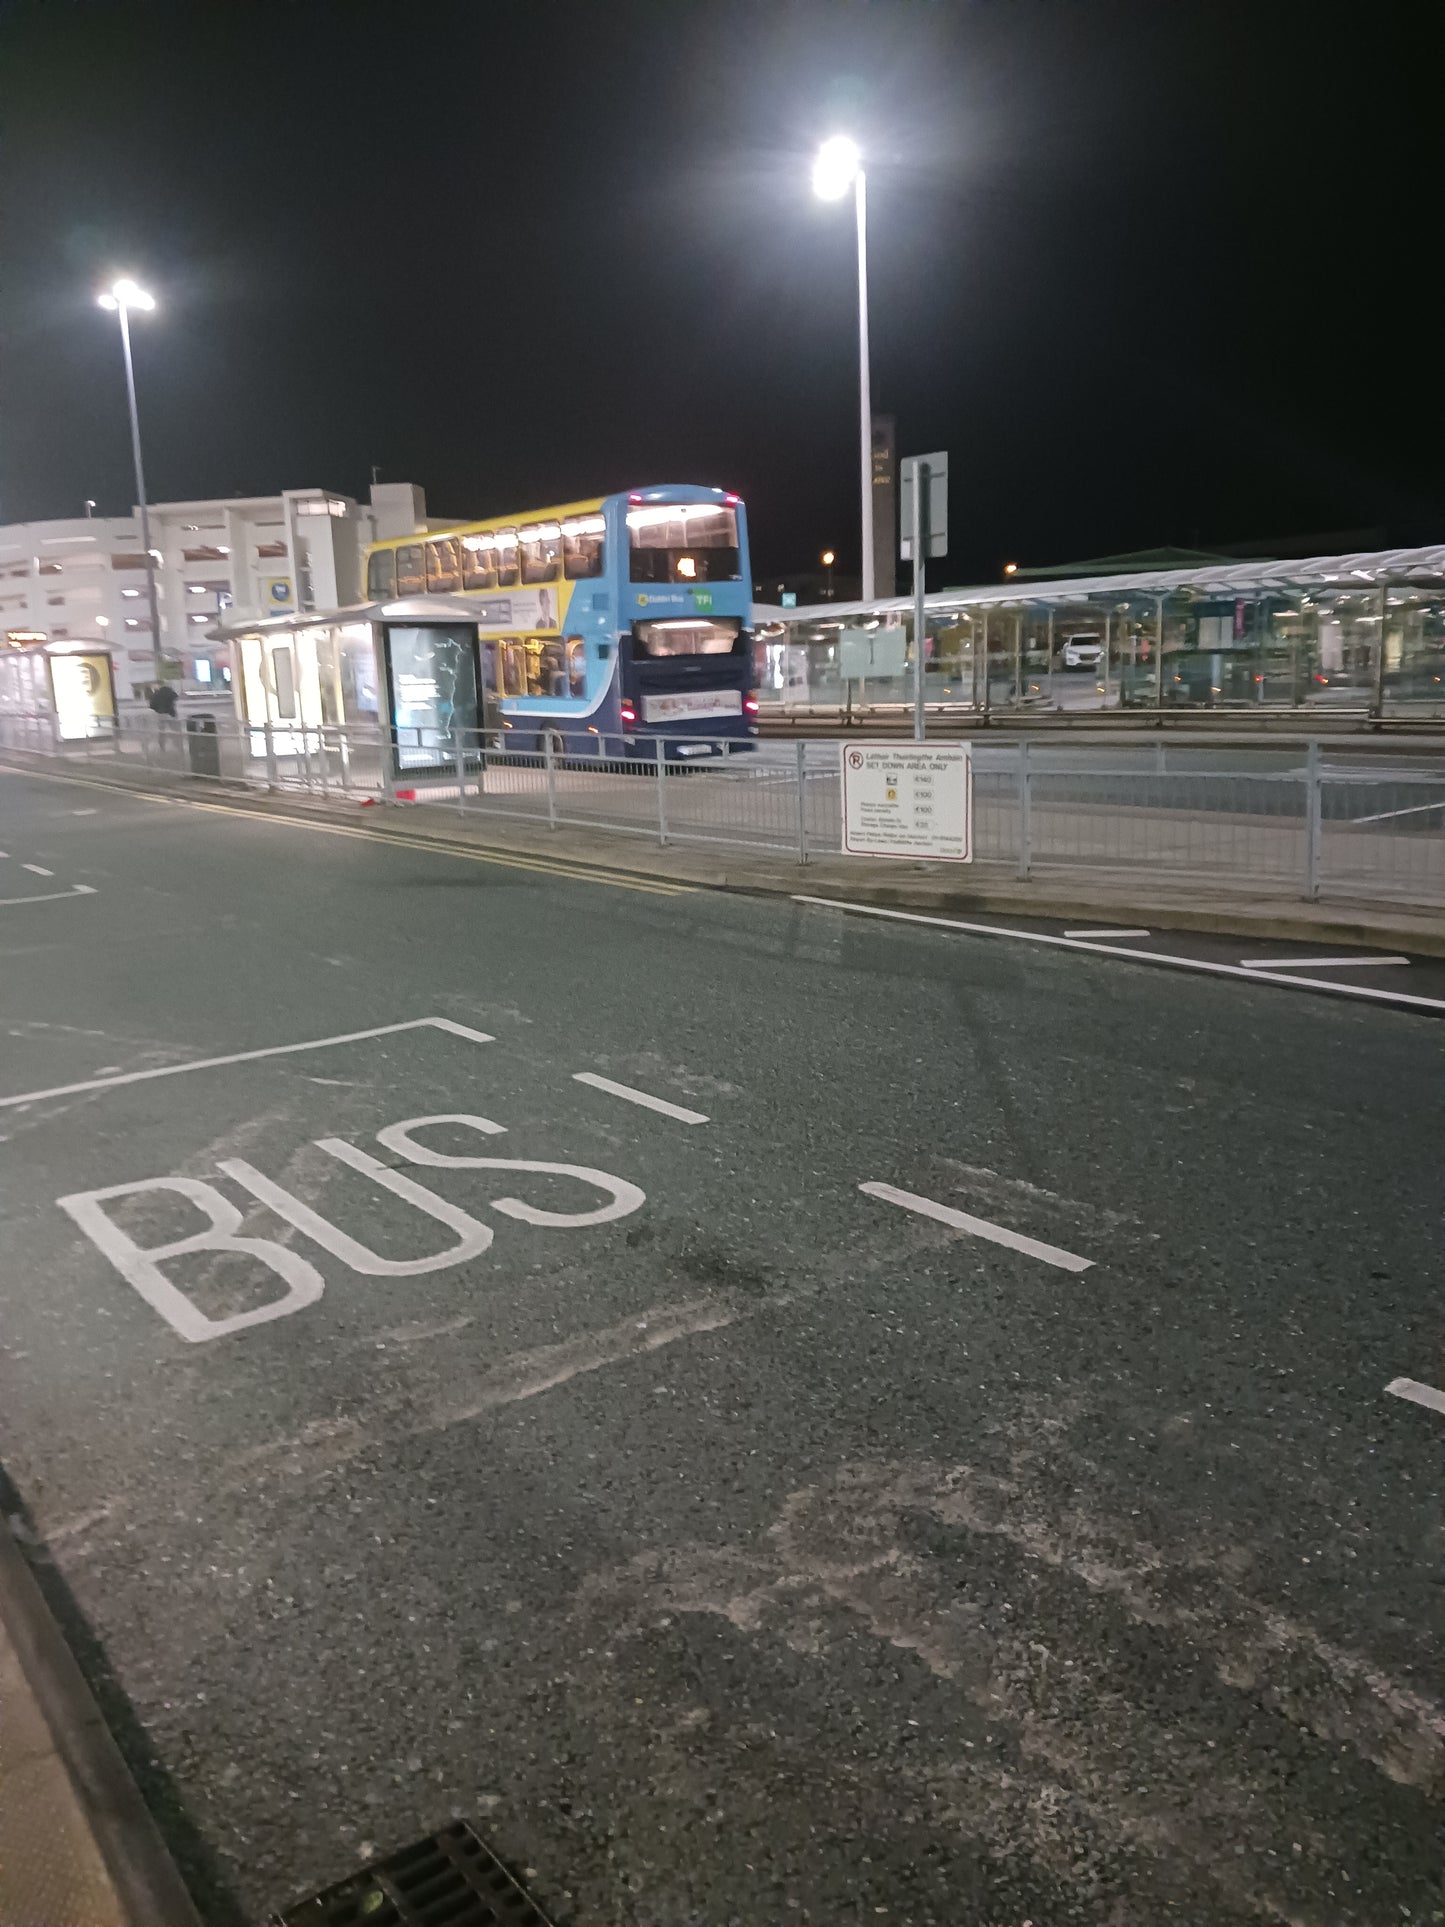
x: 479, y: 562
x: 381, y: 575
x: 443, y: 568
x: 410, y: 570
x: 684, y: 542
x: 506, y: 558
x: 541, y: 546
x: 582, y: 547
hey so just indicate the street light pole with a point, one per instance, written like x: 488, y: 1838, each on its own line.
x: 120, y: 299
x: 837, y: 168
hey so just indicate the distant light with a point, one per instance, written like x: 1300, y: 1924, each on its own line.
x: 828, y: 558
x: 835, y: 168
x: 126, y: 294
x: 686, y: 566
x: 1010, y: 568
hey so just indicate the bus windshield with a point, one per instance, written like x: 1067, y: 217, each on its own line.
x: 684, y: 542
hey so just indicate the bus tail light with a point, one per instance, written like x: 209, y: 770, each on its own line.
x: 629, y: 714
x: 750, y: 703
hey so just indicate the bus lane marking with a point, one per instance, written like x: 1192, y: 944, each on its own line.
x: 139, y: 1264
x: 244, y: 1056
x: 643, y: 1098
x: 977, y: 1227
x: 1418, y: 1394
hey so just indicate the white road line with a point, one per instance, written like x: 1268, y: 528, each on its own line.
x: 50, y: 896
x: 1383, y: 816
x: 1106, y: 933
x: 1318, y: 963
x: 85, y: 812
x: 1417, y: 1393
x: 638, y: 1097
x: 37, y: 869
x: 248, y: 1056
x: 1399, y: 998
x: 977, y: 1227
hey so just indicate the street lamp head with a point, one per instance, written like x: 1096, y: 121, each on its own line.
x: 125, y: 294
x: 828, y: 558
x: 836, y: 167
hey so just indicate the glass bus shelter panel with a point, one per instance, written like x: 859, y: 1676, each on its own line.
x: 432, y: 676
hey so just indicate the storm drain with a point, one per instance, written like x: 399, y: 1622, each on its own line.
x: 447, y: 1880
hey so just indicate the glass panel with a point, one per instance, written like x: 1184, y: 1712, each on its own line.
x: 381, y: 575
x: 683, y: 542
x: 410, y: 570
x: 541, y: 544
x: 479, y: 562
x: 283, y: 672
x: 506, y: 558
x: 513, y: 658
x: 443, y: 566
x: 576, y: 666
x: 582, y: 546
x: 550, y: 670
x: 686, y: 636
x: 434, y: 691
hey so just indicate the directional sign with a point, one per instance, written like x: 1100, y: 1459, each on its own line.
x: 908, y: 800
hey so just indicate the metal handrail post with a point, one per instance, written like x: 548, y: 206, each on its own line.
x: 550, y: 762
x: 460, y: 760
x: 661, y: 790
x: 270, y: 743
x: 1313, y: 824
x: 802, y: 749
x: 1026, y: 828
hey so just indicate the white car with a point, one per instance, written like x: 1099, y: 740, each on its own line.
x: 1082, y: 652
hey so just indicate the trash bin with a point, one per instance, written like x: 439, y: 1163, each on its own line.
x: 203, y: 746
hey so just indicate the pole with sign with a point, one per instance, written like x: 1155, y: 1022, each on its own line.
x: 925, y: 518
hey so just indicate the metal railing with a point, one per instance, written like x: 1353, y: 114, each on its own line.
x: 1291, y: 819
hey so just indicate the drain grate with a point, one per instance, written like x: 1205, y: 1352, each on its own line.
x: 447, y: 1880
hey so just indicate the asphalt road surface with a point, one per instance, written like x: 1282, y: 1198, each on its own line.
x: 934, y: 1464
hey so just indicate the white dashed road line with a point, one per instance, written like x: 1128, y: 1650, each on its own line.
x: 977, y: 1227
x: 50, y: 896
x: 1317, y: 963
x: 1417, y: 1393
x: 638, y: 1097
x: 37, y: 869
x: 1168, y: 960
x: 1106, y: 933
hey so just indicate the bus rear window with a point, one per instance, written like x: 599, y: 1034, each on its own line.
x: 685, y: 636
x: 683, y: 542
x: 410, y: 570
x: 381, y: 575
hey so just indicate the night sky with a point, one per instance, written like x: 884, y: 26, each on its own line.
x: 1152, y: 273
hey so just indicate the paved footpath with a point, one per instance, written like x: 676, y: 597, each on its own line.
x: 779, y: 1415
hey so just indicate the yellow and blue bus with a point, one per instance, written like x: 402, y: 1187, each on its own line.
x: 622, y: 618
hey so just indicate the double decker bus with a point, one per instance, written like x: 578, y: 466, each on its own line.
x: 624, y: 618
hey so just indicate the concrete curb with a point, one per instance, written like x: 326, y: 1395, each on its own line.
x: 1277, y: 919
x: 140, y: 1868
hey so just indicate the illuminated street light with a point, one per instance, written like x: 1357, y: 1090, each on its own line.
x: 119, y: 299
x: 839, y: 166
x: 828, y: 560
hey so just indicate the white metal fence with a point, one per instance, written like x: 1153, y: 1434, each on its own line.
x: 1290, y: 819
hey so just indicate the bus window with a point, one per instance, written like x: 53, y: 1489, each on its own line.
x: 684, y: 542
x: 541, y: 544
x: 479, y: 562
x: 381, y: 574
x: 548, y: 665
x: 685, y: 636
x: 443, y: 568
x: 506, y: 558
x: 512, y: 658
x: 582, y: 547
x: 410, y: 570
x: 576, y: 666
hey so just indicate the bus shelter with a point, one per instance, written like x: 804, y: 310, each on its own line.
x: 70, y: 683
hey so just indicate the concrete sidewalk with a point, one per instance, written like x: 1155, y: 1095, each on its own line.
x: 77, y: 1845
x: 1164, y: 903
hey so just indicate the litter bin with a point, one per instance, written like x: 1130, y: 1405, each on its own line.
x: 203, y: 746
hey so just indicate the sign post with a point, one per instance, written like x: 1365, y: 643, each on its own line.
x: 925, y: 517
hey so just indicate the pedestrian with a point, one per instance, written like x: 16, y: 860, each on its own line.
x: 164, y: 703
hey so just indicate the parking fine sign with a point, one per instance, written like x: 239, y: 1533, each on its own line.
x: 908, y: 800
